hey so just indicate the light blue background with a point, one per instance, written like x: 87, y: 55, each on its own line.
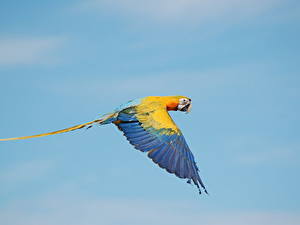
x: 67, y: 62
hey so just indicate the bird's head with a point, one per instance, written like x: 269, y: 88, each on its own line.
x: 184, y: 104
x: 180, y: 103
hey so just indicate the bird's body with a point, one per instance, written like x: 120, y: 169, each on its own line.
x: 148, y: 126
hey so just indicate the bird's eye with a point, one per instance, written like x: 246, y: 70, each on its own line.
x: 183, y: 101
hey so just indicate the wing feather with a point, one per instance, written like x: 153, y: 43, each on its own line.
x: 151, y: 129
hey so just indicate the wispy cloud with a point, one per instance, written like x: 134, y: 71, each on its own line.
x: 168, y: 83
x: 196, y: 83
x: 25, y: 171
x: 257, y: 149
x: 60, y: 210
x: 195, y: 11
x: 262, y: 153
x: 15, y: 51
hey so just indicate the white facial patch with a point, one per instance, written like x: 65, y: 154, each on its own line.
x: 184, y: 105
x: 189, y: 108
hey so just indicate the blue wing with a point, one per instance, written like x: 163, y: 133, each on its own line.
x: 167, y: 149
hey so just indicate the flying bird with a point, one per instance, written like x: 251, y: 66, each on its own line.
x: 147, y: 125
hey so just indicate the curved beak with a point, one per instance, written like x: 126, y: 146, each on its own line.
x: 186, y: 108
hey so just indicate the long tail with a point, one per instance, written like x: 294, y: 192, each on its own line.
x: 89, y: 124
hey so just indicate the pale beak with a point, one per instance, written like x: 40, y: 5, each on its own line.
x: 185, y: 108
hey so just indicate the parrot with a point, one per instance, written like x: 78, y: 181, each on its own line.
x: 147, y: 125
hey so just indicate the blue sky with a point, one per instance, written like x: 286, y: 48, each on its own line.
x: 67, y: 62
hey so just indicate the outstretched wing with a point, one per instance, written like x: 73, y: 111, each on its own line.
x: 149, y: 128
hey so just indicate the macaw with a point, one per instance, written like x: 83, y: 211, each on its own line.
x: 147, y: 125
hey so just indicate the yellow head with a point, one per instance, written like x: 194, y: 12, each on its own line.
x: 174, y: 103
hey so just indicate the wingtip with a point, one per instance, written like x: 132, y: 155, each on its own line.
x: 200, y: 192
